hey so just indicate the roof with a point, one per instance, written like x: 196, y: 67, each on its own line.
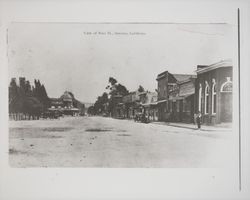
x: 183, y: 77
x: 66, y: 96
x: 187, y: 80
x: 55, y: 99
x: 222, y: 63
x: 178, y: 77
x: 161, y: 75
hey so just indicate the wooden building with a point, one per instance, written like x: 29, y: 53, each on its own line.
x: 66, y: 104
x: 182, y: 101
x: 148, y: 102
x: 167, y: 82
x: 131, y: 104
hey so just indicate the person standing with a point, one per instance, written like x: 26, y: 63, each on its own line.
x: 198, y: 120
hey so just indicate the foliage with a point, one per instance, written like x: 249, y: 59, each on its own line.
x: 106, y: 102
x: 140, y: 89
x: 27, y: 99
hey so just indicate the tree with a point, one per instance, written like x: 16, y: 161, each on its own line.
x: 116, y: 88
x: 112, y: 81
x: 13, y: 97
x: 27, y: 99
x: 91, y: 110
x: 100, y: 104
x: 140, y: 89
x: 40, y: 93
x: 27, y: 89
x: 32, y: 106
x: 105, y: 102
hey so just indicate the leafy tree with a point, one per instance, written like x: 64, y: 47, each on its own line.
x: 40, y: 93
x: 91, y: 110
x: 13, y: 97
x: 100, y: 104
x: 112, y: 81
x: 116, y: 88
x: 32, y: 106
x: 27, y: 99
x: 106, y: 102
x: 140, y: 89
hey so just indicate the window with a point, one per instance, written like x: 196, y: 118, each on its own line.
x: 200, y: 97
x: 227, y: 86
x: 206, y: 98
x: 214, y: 97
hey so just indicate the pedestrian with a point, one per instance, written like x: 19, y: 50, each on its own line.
x: 198, y: 120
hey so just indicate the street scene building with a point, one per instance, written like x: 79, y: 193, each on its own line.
x: 149, y: 105
x: 182, y: 101
x: 213, y: 92
x: 169, y: 108
x: 67, y: 105
x: 131, y: 104
x: 117, y: 109
x: 180, y: 97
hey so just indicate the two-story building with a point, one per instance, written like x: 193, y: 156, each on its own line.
x: 117, y: 108
x: 131, y: 103
x: 167, y: 82
x: 182, y: 101
x: 66, y: 104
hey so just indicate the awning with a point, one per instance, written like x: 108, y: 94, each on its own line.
x: 180, y: 97
x: 161, y: 101
x: 145, y: 104
x: 176, y: 98
x: 149, y: 104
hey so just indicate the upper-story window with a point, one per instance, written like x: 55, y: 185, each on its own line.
x: 214, y: 97
x: 206, y: 98
x: 227, y: 86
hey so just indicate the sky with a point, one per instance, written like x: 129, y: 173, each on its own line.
x: 81, y: 57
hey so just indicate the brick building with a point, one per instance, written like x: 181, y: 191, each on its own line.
x: 213, y: 91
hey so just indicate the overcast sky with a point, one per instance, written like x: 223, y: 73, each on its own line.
x: 78, y: 58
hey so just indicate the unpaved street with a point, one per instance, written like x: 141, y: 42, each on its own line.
x: 107, y: 142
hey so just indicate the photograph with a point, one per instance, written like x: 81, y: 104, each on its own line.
x: 124, y: 100
x: 121, y: 95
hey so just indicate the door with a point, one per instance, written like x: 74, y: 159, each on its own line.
x: 181, y: 110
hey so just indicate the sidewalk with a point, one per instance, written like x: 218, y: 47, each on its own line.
x: 219, y: 127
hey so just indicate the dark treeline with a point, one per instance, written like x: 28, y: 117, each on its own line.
x: 27, y: 101
x: 106, y: 101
